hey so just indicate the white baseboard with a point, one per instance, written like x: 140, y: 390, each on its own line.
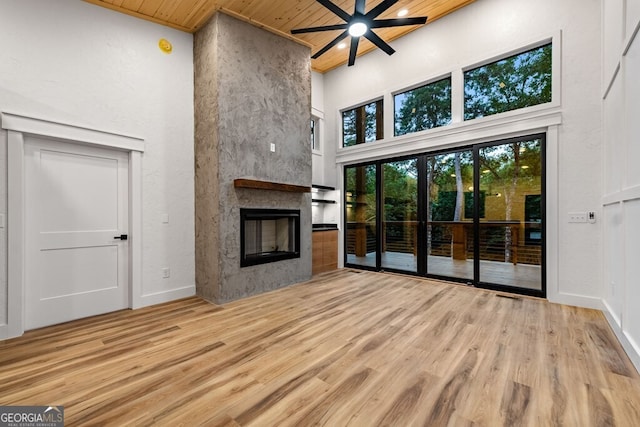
x: 166, y: 296
x: 146, y: 300
x: 577, y: 300
x: 610, y: 313
x: 630, y: 347
x: 8, y: 331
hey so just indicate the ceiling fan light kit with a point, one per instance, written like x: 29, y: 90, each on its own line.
x: 360, y: 24
x: 358, y: 29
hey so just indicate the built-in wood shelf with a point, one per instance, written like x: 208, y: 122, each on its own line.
x: 267, y: 185
x: 323, y: 187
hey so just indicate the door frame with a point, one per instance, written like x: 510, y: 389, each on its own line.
x: 542, y: 293
x: 20, y: 126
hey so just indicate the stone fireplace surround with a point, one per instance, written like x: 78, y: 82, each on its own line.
x: 252, y: 89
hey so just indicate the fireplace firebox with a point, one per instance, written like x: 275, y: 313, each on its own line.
x: 269, y: 235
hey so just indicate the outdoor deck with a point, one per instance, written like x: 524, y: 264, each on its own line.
x: 519, y: 275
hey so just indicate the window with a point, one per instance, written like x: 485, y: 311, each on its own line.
x: 362, y: 124
x: 518, y: 81
x: 426, y: 107
x: 315, y: 134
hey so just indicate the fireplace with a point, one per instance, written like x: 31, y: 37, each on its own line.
x: 268, y: 235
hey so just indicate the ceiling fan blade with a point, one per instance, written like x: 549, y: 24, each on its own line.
x: 331, y: 44
x: 354, y: 50
x: 373, y: 37
x: 398, y: 22
x: 323, y: 28
x: 359, y: 7
x: 386, y: 4
x: 335, y: 9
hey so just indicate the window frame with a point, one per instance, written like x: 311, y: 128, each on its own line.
x: 510, y: 54
x: 507, y: 123
x: 317, y: 116
x: 315, y: 134
x: 426, y: 83
x: 360, y: 111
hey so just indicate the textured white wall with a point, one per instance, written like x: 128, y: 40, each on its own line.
x: 480, y: 31
x: 612, y: 37
x: 317, y: 91
x: 81, y: 64
x: 621, y: 192
x: 317, y: 108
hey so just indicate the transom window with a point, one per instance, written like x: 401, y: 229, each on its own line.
x: 425, y: 107
x: 362, y: 124
x: 514, y: 82
x: 519, y: 81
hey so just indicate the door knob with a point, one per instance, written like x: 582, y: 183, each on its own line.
x: 121, y: 237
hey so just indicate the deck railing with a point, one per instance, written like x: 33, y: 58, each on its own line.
x: 502, y: 241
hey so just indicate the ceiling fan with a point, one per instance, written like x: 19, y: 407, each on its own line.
x: 360, y: 24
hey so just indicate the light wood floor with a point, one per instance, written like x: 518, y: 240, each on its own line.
x: 347, y: 348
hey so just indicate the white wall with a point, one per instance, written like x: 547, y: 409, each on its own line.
x: 621, y: 192
x: 478, y: 32
x: 321, y: 213
x: 81, y: 64
x: 317, y: 109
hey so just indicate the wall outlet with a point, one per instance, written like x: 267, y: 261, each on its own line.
x: 272, y: 147
x: 577, y: 217
x: 166, y: 273
x: 591, y: 217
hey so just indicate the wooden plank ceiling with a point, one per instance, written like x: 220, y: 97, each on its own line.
x: 281, y: 16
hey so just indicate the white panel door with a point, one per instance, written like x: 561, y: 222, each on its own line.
x: 76, y: 200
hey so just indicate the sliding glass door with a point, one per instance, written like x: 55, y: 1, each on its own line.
x: 449, y: 215
x: 399, y: 228
x: 474, y: 215
x: 510, y: 229
x: 361, y: 201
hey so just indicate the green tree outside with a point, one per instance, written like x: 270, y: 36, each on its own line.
x: 519, y: 81
x: 423, y: 108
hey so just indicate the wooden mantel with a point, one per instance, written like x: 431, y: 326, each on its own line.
x: 267, y: 185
